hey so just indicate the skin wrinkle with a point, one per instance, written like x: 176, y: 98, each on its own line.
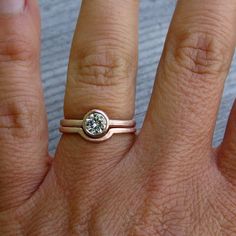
x: 102, y: 65
x: 203, y: 53
x: 15, y: 49
x: 167, y: 180
x: 179, y: 28
x: 184, y: 86
x: 51, y: 211
x: 19, y: 125
x: 225, y: 213
x: 168, y: 200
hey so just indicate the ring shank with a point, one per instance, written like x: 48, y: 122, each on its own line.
x: 112, y: 123
x: 102, y: 127
x: 109, y: 134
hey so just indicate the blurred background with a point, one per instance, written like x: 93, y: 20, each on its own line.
x: 58, y: 23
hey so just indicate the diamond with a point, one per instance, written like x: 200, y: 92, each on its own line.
x: 95, y: 124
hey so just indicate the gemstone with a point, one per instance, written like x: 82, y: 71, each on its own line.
x: 95, y: 124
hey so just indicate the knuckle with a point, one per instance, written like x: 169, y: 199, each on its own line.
x: 20, y: 118
x: 17, y: 48
x: 104, y: 68
x: 199, y: 55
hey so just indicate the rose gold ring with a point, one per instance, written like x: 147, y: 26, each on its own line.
x: 97, y: 127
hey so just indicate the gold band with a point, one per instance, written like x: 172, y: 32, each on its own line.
x: 112, y: 123
x: 97, y: 127
x: 109, y: 134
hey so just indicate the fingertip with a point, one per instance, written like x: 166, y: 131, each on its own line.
x: 19, y: 14
x: 11, y: 6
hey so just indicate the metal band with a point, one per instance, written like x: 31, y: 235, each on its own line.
x: 109, y: 134
x: 112, y: 123
x: 96, y: 126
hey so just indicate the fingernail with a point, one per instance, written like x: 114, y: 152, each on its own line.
x: 11, y: 6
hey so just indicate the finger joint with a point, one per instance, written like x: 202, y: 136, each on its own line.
x: 17, y: 49
x: 20, y: 118
x: 199, y: 56
x: 103, y: 68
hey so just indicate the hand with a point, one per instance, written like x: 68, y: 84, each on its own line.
x: 168, y: 180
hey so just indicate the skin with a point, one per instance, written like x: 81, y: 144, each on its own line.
x: 166, y: 181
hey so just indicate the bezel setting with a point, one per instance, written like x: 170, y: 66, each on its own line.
x: 96, y: 126
x: 99, y: 120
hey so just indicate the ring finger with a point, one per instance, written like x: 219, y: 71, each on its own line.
x: 101, y: 75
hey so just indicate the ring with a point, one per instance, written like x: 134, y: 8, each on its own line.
x: 96, y: 126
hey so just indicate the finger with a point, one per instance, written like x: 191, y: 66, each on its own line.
x: 191, y: 75
x: 102, y: 71
x: 227, y: 150
x: 23, y: 133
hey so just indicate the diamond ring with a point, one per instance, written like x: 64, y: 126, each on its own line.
x: 97, y: 127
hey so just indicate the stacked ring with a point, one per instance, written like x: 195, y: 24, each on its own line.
x: 97, y: 127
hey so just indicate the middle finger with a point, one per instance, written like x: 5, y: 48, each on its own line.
x: 190, y: 79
